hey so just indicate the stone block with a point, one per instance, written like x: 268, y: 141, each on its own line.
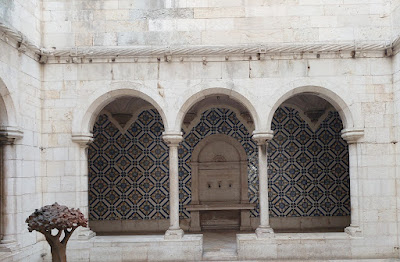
x: 84, y: 39
x: 336, y: 34
x: 207, y: 71
x: 94, y: 71
x: 171, y: 13
x: 266, y: 11
x: 108, y: 254
x: 105, y: 39
x: 219, y: 12
x: 219, y: 24
x: 232, y: 70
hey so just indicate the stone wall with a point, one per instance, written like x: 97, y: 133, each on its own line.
x: 364, y: 84
x: 169, y: 22
x: 22, y: 180
x: 395, y: 13
x: 23, y: 15
x: 51, y: 101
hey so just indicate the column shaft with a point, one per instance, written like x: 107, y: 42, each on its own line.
x: 173, y: 187
x: 354, y: 228
x: 10, y: 193
x: 352, y: 136
x: 82, y: 190
x: 263, y: 186
x: 173, y: 139
x: 264, y: 228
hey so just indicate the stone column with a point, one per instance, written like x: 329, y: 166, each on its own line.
x: 173, y: 139
x: 82, y: 181
x: 9, y: 191
x: 352, y: 136
x: 264, y: 230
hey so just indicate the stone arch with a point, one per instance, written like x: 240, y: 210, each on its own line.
x: 85, y: 115
x: 192, y: 99
x: 218, y: 137
x: 340, y: 98
x: 343, y: 107
x: 8, y: 114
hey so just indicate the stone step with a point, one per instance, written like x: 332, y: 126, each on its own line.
x: 220, y: 255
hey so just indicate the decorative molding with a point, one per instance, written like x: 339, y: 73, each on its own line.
x: 352, y: 135
x: 215, y: 50
x: 77, y: 53
x: 262, y: 137
x: 82, y: 139
x: 22, y: 43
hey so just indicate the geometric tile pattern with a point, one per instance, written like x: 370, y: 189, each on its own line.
x: 128, y: 173
x: 216, y: 121
x: 308, y: 170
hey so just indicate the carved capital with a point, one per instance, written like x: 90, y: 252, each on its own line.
x: 82, y: 139
x: 8, y: 134
x: 172, y: 138
x: 262, y: 137
x: 352, y: 135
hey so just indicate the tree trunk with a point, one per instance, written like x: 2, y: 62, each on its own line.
x: 58, y: 252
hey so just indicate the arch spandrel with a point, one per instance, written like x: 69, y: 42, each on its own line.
x: 197, y: 94
x: 85, y: 115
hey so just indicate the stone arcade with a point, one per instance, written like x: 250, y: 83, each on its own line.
x: 202, y: 130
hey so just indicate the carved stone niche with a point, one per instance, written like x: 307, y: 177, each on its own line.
x: 219, y: 185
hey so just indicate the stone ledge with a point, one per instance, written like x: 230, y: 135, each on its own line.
x: 136, y: 248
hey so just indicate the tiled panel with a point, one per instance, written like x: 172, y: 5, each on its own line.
x: 128, y: 174
x: 308, y: 169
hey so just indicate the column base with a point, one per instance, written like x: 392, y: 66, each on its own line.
x: 173, y: 234
x: 354, y: 231
x: 264, y: 232
x: 85, y: 234
x: 8, y: 245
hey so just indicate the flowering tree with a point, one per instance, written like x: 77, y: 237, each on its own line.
x: 58, y: 217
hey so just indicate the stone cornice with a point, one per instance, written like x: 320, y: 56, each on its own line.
x: 76, y: 53
x: 165, y: 53
x: 22, y: 43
